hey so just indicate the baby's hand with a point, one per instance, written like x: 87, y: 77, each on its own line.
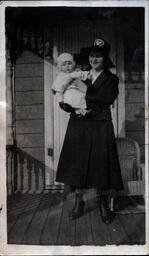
x: 89, y: 76
x: 84, y: 75
x: 76, y: 74
x: 77, y: 69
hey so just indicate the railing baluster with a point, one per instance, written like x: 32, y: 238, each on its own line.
x: 12, y: 170
x: 32, y: 179
x: 29, y: 41
x: 40, y: 181
x: 25, y: 177
x: 33, y: 42
x: 12, y: 173
x: 43, y: 177
x: 21, y: 173
x: 25, y: 37
x: 19, y: 176
x: 25, y: 174
x: 36, y: 177
x: 15, y: 168
x: 36, y: 45
x: 40, y: 46
x: 29, y: 167
x: 9, y: 166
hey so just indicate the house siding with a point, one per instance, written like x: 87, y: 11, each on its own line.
x: 29, y: 100
x: 135, y: 109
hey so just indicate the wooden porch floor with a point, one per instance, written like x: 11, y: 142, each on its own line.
x: 41, y: 219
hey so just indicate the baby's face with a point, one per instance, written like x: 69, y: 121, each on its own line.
x: 67, y: 67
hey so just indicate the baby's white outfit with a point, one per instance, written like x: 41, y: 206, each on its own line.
x: 71, y: 89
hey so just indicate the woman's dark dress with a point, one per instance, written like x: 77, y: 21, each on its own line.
x: 89, y: 155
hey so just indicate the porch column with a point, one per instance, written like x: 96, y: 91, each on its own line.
x: 9, y: 97
x: 10, y: 158
x: 48, y: 122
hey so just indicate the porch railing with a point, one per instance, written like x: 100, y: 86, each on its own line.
x: 25, y: 174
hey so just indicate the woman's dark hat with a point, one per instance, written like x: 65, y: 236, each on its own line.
x: 103, y: 47
x: 100, y: 45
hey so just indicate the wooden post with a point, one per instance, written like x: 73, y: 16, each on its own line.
x: 48, y: 121
x: 9, y: 103
x: 121, y: 75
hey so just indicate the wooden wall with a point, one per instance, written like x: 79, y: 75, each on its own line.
x: 29, y: 99
x: 135, y: 108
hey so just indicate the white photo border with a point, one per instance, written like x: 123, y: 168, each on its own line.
x: 9, y: 249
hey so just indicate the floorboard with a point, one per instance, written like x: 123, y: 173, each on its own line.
x: 34, y: 230
x: 81, y: 235
x: 14, y: 208
x: 117, y: 234
x: 50, y: 231
x: 134, y: 226
x: 99, y: 229
x: 24, y: 214
x: 43, y: 220
x: 67, y: 227
x: 87, y: 217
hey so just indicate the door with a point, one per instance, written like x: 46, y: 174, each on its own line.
x: 72, y: 38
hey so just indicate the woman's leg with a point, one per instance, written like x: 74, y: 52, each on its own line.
x: 104, y: 206
x: 104, y: 209
x: 78, y: 208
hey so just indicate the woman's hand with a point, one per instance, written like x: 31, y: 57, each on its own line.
x: 76, y: 74
x: 82, y: 111
x: 66, y: 107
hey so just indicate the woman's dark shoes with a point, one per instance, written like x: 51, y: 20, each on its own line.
x: 104, y: 210
x: 106, y: 218
x: 78, y: 210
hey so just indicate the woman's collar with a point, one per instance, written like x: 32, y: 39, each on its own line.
x: 95, y: 76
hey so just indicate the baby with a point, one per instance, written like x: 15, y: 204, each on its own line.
x: 68, y: 85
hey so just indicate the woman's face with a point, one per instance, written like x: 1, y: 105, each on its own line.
x: 96, y: 60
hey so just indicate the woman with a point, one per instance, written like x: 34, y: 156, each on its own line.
x: 89, y: 156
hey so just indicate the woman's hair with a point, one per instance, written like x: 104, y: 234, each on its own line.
x: 107, y: 63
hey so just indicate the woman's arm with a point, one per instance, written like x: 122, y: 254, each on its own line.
x: 61, y: 82
x: 105, y: 95
x: 108, y: 96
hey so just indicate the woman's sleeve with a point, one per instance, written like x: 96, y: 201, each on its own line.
x: 61, y: 83
x: 108, y: 94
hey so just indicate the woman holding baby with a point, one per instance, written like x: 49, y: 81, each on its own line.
x: 89, y: 156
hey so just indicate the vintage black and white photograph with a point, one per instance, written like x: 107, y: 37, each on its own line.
x: 75, y: 123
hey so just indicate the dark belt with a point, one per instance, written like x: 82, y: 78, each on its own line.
x: 95, y: 114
